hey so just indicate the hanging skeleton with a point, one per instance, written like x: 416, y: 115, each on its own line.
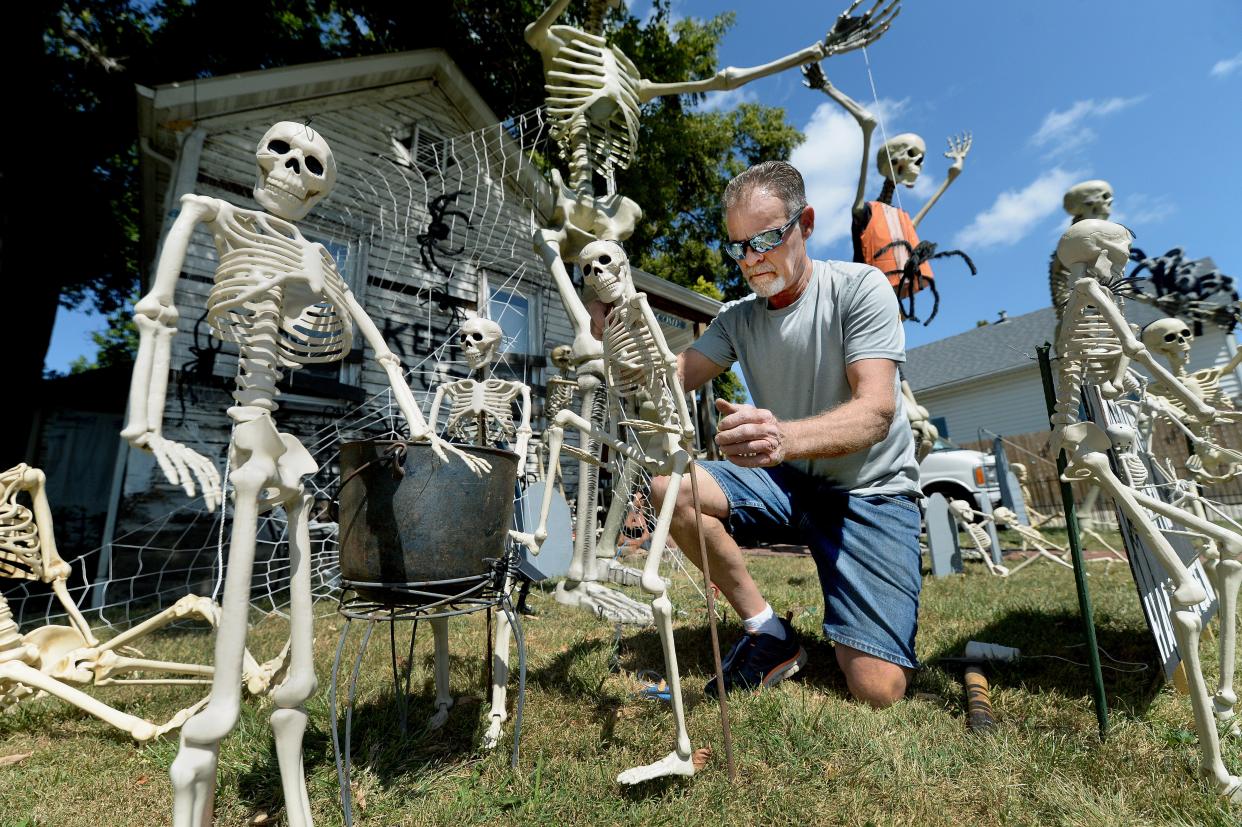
x: 594, y: 99
x: 640, y: 370
x: 1096, y: 346
x: 280, y: 298
x: 1208, y: 461
x: 480, y: 413
x: 57, y: 659
x: 885, y: 236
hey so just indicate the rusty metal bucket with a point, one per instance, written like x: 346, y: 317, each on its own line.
x: 424, y: 524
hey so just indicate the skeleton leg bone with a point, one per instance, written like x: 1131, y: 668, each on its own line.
x: 497, y: 714
x: 444, y: 697
x: 1227, y: 577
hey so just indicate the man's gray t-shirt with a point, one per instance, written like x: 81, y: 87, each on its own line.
x: 793, y: 360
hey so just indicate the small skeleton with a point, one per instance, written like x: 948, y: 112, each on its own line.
x: 53, y: 659
x: 1038, y: 519
x: 1097, y: 346
x: 1172, y: 339
x: 964, y: 515
x: 640, y: 367
x: 281, y: 299
x: 594, y: 99
x: 885, y: 236
x: 1005, y: 518
x: 925, y: 433
x: 480, y: 413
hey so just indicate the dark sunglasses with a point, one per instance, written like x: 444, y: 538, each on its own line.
x: 764, y: 242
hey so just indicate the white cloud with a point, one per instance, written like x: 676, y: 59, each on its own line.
x: 1224, y: 68
x: 1139, y: 208
x: 1063, y: 131
x: 723, y: 101
x: 1013, y: 215
x: 829, y: 161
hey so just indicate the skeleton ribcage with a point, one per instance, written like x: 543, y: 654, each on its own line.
x: 19, y: 535
x: 262, y: 257
x: 635, y: 371
x: 1092, y: 344
x: 481, y: 414
x: 593, y: 101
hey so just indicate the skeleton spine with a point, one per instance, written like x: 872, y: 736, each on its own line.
x: 10, y: 637
x: 258, y: 364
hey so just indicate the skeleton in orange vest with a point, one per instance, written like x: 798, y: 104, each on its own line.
x: 885, y: 236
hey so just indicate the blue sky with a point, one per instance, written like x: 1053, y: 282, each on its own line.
x: 1145, y: 94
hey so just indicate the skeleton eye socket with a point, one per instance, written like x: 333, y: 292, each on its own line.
x: 313, y: 165
x: 1184, y: 333
x: 604, y: 260
x: 913, y: 152
x: 478, y: 337
x: 1168, y: 337
x: 279, y: 147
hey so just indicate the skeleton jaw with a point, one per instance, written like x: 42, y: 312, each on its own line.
x: 283, y: 197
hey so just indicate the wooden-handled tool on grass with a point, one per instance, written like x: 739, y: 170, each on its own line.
x: 979, y: 715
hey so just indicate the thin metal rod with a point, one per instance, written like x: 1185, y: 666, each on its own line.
x: 1080, y: 572
x: 726, y: 733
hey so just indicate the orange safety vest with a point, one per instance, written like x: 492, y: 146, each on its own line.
x: 886, y: 225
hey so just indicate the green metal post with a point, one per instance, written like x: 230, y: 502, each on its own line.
x: 1080, y: 571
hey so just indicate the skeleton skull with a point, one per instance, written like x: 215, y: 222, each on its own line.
x: 296, y: 170
x: 561, y: 357
x: 1099, y: 248
x: 1171, y: 337
x: 900, y: 159
x: 1019, y: 471
x: 478, y: 339
x: 606, y: 269
x: 1089, y: 199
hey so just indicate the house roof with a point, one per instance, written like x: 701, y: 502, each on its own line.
x: 983, y: 351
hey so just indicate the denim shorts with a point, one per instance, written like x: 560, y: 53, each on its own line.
x: 865, y: 547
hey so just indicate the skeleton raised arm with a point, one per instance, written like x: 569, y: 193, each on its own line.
x: 959, y: 146
x: 867, y: 122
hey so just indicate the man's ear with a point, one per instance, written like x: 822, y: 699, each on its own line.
x: 807, y: 223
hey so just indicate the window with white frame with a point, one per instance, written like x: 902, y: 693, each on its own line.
x: 514, y: 311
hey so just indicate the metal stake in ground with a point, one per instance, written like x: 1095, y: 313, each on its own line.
x: 711, y: 622
x: 1071, y: 533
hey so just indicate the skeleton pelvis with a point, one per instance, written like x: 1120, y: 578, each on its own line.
x: 256, y: 442
x: 57, y: 645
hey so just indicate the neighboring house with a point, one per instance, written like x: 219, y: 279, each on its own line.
x: 200, y: 136
x: 987, y: 379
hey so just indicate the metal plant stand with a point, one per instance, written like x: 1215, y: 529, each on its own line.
x: 393, y: 603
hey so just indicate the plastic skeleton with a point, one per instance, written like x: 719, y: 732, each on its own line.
x: 594, y: 99
x: 884, y: 235
x: 964, y: 516
x: 1087, y: 199
x: 1096, y: 346
x: 281, y: 299
x: 1037, y: 519
x: 480, y: 413
x: 53, y: 659
x: 639, y: 367
x: 1172, y: 339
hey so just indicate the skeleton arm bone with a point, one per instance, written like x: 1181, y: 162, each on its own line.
x: 538, y: 33
x: 847, y: 34
x: 419, y: 429
x: 55, y: 570
x: 668, y: 366
x: 1137, y: 351
x: 815, y: 79
x: 958, y: 148
x: 523, y: 432
x: 156, y: 316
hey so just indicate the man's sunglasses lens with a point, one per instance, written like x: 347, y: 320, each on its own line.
x: 761, y: 243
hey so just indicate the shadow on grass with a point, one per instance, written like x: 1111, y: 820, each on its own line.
x: 1060, y: 634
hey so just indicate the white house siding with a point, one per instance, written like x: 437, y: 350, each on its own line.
x: 1008, y: 404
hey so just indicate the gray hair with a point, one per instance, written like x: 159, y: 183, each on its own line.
x: 778, y: 178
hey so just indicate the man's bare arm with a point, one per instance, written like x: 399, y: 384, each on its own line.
x: 695, y: 370
x: 754, y: 437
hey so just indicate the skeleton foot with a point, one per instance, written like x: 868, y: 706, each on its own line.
x: 1231, y: 789
x: 440, y: 717
x: 671, y: 764
x: 604, y: 602
x: 492, y: 737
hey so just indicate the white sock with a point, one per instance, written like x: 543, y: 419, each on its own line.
x: 765, y: 623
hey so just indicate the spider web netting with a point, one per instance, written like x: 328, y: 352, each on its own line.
x: 440, y: 220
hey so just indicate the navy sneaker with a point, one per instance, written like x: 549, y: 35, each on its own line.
x: 758, y: 660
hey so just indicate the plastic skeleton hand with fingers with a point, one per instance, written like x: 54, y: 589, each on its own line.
x: 959, y: 146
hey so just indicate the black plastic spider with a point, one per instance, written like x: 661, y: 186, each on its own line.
x: 435, y: 238
x: 1194, y: 289
x: 911, y: 279
x: 201, y: 369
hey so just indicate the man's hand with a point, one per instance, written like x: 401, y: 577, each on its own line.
x: 748, y: 436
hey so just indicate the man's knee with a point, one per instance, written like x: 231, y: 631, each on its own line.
x: 872, y: 680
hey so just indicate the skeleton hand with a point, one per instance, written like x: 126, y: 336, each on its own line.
x: 959, y: 146
x: 813, y: 77
x: 182, y: 466
x: 850, y: 33
x: 750, y: 437
x: 442, y: 449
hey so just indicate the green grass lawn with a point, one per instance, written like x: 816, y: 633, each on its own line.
x: 805, y: 754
